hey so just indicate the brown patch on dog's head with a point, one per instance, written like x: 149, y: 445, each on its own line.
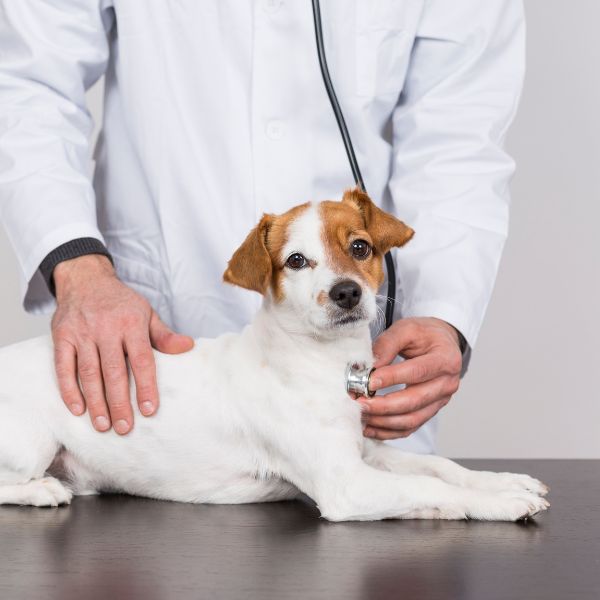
x: 250, y: 266
x: 258, y: 263
x: 386, y: 230
x: 357, y: 218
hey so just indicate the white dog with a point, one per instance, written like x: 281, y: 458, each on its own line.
x: 266, y: 414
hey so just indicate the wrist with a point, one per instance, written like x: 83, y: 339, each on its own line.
x: 460, y: 338
x: 462, y: 341
x: 65, y: 252
x: 455, y: 333
x: 82, y: 270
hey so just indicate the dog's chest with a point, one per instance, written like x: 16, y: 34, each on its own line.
x: 318, y: 398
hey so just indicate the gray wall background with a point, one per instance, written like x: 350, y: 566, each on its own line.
x: 533, y: 388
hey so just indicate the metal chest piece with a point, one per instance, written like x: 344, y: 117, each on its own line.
x: 357, y: 379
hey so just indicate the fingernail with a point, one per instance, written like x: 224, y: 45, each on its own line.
x: 76, y: 409
x: 375, y: 383
x: 121, y: 426
x: 147, y: 407
x: 101, y: 423
x: 364, y: 406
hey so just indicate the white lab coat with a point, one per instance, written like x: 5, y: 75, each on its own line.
x: 215, y: 112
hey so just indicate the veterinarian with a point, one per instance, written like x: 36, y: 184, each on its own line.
x: 214, y: 113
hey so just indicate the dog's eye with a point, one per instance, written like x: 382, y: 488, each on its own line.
x: 296, y: 261
x: 360, y: 249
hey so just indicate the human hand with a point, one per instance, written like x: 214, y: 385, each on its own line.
x: 431, y: 373
x: 98, y: 322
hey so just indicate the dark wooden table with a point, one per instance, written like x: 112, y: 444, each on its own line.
x: 114, y: 547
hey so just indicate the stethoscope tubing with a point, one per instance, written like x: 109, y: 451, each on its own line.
x: 339, y: 117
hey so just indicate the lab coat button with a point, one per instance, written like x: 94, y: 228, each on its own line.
x: 275, y: 130
x: 271, y: 6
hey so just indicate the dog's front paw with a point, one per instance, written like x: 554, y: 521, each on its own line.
x: 525, y: 504
x: 47, y: 491
x: 487, y: 480
x: 507, y: 506
x: 518, y: 481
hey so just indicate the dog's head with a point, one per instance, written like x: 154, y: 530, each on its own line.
x: 321, y: 263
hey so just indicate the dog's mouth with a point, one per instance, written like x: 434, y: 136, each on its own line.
x: 348, y: 319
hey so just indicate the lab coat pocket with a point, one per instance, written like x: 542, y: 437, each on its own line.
x: 383, y: 45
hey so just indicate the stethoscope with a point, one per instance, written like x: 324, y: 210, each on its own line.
x: 357, y: 376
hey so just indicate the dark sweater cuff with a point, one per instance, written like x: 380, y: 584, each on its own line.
x: 462, y: 342
x: 67, y: 251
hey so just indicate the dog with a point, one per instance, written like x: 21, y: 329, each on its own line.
x: 261, y: 415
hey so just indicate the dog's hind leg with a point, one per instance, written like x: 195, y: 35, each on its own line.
x: 27, y: 449
x: 387, y: 458
x: 46, y: 491
x: 242, y: 490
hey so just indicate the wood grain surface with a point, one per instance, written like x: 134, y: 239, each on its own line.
x: 114, y: 547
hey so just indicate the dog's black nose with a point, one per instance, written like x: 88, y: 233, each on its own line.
x: 346, y: 294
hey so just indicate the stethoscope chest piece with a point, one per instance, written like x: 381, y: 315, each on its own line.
x: 357, y: 379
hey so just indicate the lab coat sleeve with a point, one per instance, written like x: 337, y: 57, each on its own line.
x: 450, y: 174
x: 52, y: 51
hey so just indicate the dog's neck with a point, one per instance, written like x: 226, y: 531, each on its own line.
x: 280, y: 338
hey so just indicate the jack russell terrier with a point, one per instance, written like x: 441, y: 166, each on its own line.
x: 253, y: 430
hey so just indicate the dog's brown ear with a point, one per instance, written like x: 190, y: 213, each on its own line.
x: 250, y: 266
x: 385, y: 230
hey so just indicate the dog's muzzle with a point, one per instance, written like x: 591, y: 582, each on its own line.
x: 357, y: 379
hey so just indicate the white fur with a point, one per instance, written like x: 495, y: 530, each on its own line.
x: 248, y: 417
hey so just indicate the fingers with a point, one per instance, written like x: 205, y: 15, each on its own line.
x: 411, y: 371
x: 90, y: 377
x: 104, y: 381
x: 65, y: 361
x: 402, y: 425
x: 399, y: 414
x: 391, y: 342
x: 408, y: 400
x: 116, y: 385
x: 414, y: 336
x: 102, y: 319
x: 165, y: 340
x: 143, y: 366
